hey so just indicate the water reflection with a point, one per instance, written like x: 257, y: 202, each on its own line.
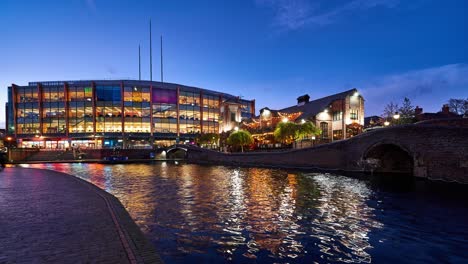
x: 343, y: 220
x: 203, y: 214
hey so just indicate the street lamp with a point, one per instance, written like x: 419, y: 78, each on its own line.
x: 386, y: 123
x: 285, y: 119
x: 303, y: 121
x: 236, y: 128
x: 396, y: 116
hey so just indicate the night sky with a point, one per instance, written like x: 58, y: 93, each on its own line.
x: 269, y: 50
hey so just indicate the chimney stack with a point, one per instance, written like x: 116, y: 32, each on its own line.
x: 302, y: 100
x: 418, y: 110
x: 445, y: 109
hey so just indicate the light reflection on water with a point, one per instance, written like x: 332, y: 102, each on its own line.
x: 344, y: 217
x: 202, y: 214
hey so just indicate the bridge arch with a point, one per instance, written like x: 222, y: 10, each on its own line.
x: 176, y: 152
x: 392, y: 158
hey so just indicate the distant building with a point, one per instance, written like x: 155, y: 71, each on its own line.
x: 443, y: 114
x: 373, y: 121
x: 117, y: 113
x: 339, y: 116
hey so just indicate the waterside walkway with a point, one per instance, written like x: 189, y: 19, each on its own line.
x: 52, y: 217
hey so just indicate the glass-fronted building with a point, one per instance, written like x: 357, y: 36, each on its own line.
x: 117, y: 113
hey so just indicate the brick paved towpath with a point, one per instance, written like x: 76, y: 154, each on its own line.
x: 52, y: 217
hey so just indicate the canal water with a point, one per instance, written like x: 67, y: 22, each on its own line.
x: 216, y: 214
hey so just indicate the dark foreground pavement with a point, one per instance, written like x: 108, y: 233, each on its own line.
x: 52, y: 217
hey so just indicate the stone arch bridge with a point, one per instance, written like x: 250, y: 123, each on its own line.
x: 427, y: 151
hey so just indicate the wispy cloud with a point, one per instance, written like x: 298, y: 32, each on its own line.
x: 295, y: 14
x: 290, y: 14
x: 430, y: 87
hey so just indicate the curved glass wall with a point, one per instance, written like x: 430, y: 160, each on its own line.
x: 103, y: 112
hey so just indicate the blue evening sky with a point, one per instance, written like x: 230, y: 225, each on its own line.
x: 269, y: 50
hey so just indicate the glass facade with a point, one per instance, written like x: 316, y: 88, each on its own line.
x: 80, y: 110
x: 108, y: 109
x: 53, y: 110
x: 27, y: 110
x: 189, y: 112
x: 138, y: 113
x: 211, y: 113
x: 137, y: 109
x: 164, y: 111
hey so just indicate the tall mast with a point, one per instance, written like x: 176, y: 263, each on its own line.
x: 162, y: 79
x: 151, y: 55
x: 139, y: 63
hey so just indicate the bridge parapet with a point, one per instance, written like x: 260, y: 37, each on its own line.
x: 427, y: 151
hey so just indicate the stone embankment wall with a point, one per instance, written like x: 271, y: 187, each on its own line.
x: 22, y: 154
x: 437, y: 152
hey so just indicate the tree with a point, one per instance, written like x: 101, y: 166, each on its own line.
x: 389, y: 110
x: 240, y: 138
x: 458, y: 106
x: 308, y: 128
x: 406, y: 112
x: 286, y: 132
x: 207, y: 138
x: 289, y: 132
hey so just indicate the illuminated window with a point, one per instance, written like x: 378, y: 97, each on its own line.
x: 337, y: 115
x: 108, y: 109
x: 53, y: 110
x: 80, y: 113
x: 353, y: 115
x: 164, y: 111
x: 324, y: 128
x: 337, y: 134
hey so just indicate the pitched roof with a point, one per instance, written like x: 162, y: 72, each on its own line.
x: 314, y: 107
x: 273, y: 113
x: 438, y: 115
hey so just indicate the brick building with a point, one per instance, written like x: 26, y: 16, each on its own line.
x: 339, y: 116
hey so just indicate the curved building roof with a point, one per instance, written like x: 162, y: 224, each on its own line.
x: 164, y: 85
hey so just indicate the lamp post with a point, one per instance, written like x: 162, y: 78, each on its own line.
x: 396, y: 116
